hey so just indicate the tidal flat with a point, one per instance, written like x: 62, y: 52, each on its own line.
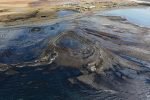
x: 87, y: 52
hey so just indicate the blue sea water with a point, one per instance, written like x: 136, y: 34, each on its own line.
x: 63, y: 13
x: 36, y: 84
x: 138, y: 16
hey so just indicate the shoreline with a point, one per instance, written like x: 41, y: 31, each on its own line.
x: 40, y: 14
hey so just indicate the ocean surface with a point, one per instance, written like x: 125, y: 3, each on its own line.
x: 138, y: 16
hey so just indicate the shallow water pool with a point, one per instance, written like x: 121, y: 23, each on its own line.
x: 63, y: 13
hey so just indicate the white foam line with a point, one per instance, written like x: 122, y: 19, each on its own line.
x: 139, y: 1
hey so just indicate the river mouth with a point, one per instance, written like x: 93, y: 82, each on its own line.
x: 137, y: 16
